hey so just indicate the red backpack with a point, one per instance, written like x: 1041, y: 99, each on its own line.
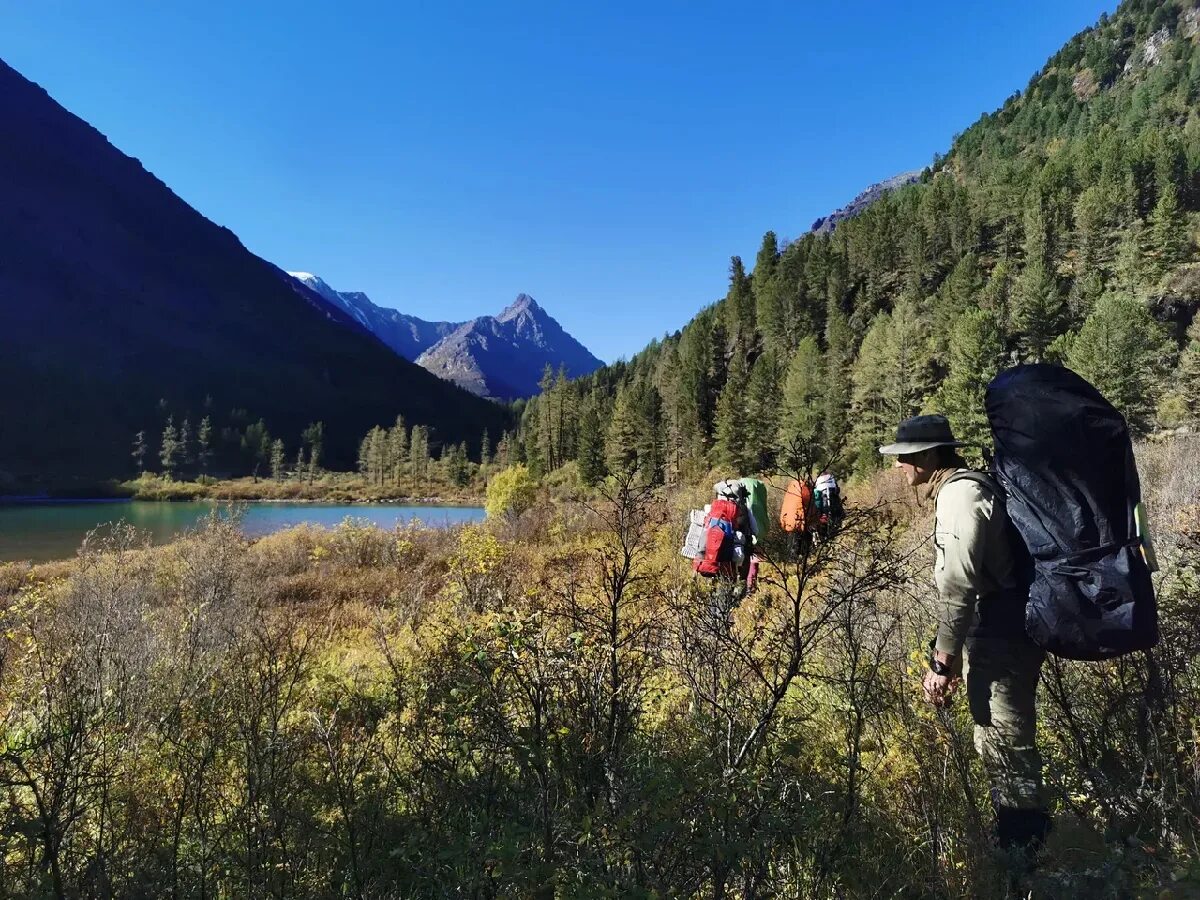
x: 718, y: 544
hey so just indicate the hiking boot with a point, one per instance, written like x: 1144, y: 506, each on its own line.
x: 1021, y: 834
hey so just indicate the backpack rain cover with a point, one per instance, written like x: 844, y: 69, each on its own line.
x: 1065, y: 460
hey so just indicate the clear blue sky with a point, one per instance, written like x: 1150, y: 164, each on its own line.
x: 606, y: 158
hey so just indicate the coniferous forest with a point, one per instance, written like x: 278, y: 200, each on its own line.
x: 1060, y: 228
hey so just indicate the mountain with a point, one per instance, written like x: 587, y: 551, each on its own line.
x: 407, y: 335
x: 1061, y: 227
x: 505, y: 356
x: 501, y: 357
x: 826, y: 224
x: 120, y: 305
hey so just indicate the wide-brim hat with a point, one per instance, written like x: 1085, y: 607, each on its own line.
x: 921, y: 433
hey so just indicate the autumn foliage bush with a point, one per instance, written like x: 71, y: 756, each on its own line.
x: 560, y: 712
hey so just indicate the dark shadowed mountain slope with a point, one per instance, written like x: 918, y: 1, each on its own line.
x: 407, y: 335
x: 504, y: 356
x: 120, y: 305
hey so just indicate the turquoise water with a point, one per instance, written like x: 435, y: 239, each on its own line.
x: 45, y: 531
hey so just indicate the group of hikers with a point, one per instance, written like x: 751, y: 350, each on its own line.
x: 1047, y: 551
x: 726, y: 539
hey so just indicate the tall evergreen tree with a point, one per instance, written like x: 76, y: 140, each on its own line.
x: 768, y: 294
x: 168, y: 455
x: 314, y: 439
x: 732, y: 447
x: 278, y: 459
x: 801, y: 412
x: 976, y: 354
x: 761, y: 409
x: 590, y: 458
x: 1189, y: 374
x: 204, y: 448
x: 621, y: 441
x: 1168, y: 229
x: 187, y: 455
x: 1123, y: 352
x: 836, y: 383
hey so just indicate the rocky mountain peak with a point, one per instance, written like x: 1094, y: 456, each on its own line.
x: 523, y: 304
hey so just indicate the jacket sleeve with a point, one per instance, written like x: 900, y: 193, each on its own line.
x: 961, y: 533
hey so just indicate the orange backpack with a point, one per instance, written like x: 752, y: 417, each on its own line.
x: 796, y: 512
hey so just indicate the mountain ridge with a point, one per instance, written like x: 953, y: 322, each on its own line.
x: 499, y: 357
x: 121, y: 305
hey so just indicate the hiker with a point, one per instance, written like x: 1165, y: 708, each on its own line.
x: 981, y: 626
x: 827, y: 499
x: 797, y: 516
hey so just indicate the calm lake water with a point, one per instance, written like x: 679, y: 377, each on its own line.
x: 44, y: 531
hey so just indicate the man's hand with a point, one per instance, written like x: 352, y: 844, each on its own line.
x: 940, y: 688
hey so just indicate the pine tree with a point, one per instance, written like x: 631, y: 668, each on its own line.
x: 1132, y: 267
x: 732, y: 448
x: 800, y: 418
x: 186, y: 453
x: 1168, y: 230
x: 278, y: 459
x: 300, y: 462
x: 768, y: 294
x: 485, y: 449
x: 621, y: 441
x: 139, y: 451
x: 397, y: 439
x: 169, y: 454
x: 836, y: 383
x: 1038, y: 308
x: 762, y: 412
x: 314, y: 438
x: 739, y: 304
x: 1188, y: 379
x: 418, y: 451
x: 204, y: 451
x: 1122, y: 351
x: 976, y: 354
x: 590, y: 458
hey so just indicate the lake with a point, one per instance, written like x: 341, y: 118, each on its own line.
x: 54, y: 530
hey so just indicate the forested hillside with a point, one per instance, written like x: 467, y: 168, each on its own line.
x: 1059, y: 228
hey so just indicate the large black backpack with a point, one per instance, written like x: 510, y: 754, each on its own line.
x: 1065, y: 460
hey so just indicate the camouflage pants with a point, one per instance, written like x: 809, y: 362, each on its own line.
x: 1002, y: 677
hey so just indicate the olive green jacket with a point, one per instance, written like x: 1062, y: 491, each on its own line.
x: 974, y: 556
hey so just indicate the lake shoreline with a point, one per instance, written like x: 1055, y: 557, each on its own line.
x: 47, y: 531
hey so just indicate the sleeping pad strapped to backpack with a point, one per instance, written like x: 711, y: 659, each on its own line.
x: 1065, y: 461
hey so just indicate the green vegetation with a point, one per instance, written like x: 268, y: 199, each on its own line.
x: 552, y: 707
x: 1059, y: 228
x: 510, y: 493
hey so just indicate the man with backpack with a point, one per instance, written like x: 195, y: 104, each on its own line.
x: 981, y: 613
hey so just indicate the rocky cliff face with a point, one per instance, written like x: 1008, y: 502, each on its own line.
x: 826, y: 224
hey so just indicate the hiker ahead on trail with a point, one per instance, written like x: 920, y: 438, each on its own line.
x: 980, y: 624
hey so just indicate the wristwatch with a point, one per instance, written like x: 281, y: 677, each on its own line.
x: 937, y: 667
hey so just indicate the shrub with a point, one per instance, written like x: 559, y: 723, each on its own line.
x: 510, y: 493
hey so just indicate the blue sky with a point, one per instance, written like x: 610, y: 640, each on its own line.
x: 606, y: 158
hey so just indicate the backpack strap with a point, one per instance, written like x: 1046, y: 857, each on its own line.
x: 984, y: 478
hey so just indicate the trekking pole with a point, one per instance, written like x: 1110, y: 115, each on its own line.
x: 962, y: 764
